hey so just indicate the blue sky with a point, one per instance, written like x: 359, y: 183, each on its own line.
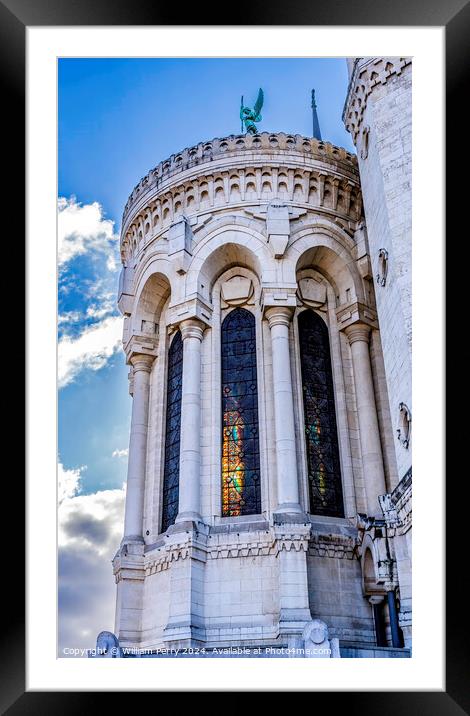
x: 117, y: 118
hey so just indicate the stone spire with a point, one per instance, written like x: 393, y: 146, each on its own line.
x: 316, y: 125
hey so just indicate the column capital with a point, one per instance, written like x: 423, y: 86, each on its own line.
x: 141, y: 361
x: 358, y: 332
x: 355, y: 312
x: 141, y: 344
x: 192, y: 328
x: 279, y: 315
x: 195, y: 307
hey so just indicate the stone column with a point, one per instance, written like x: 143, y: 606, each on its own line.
x: 133, y: 524
x: 287, y: 482
x: 371, y: 448
x: 190, y: 441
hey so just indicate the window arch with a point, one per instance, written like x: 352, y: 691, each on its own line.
x: 241, y: 489
x: 321, y: 435
x: 171, y: 474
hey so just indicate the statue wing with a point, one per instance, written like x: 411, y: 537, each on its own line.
x: 259, y: 102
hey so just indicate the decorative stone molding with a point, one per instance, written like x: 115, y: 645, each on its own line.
x: 291, y: 535
x: 312, y: 292
x: 278, y: 216
x: 280, y: 297
x: 178, y: 545
x: 169, y: 554
x: 362, y: 251
x: 354, y: 318
x: 125, y: 289
x: 227, y: 147
x: 261, y: 177
x: 383, y: 267
x: 259, y: 543
x: 368, y: 73
x: 242, y: 549
x: 404, y: 425
x: 180, y: 239
x: 194, y: 308
x: 141, y: 346
x: 332, y: 545
x: 128, y: 563
x: 236, y: 291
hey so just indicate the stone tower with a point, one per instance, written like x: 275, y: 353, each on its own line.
x: 377, y: 113
x: 264, y: 492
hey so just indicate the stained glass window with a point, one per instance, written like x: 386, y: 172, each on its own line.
x: 171, y: 474
x: 241, y: 489
x: 321, y: 435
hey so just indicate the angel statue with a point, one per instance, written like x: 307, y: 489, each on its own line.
x: 250, y: 116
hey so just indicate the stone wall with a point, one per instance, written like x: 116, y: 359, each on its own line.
x: 378, y: 113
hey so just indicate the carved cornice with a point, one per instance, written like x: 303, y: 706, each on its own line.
x: 229, y: 545
x: 332, y: 545
x: 240, y: 171
x: 206, y: 152
x: 368, y: 73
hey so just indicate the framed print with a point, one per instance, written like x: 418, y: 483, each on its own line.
x: 229, y: 244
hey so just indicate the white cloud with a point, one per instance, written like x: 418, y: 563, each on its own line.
x: 90, y: 350
x: 69, y: 481
x: 97, y: 311
x: 121, y: 453
x: 69, y: 317
x: 92, y: 521
x: 82, y: 228
x: 90, y: 531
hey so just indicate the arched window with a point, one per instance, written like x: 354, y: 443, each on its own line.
x: 171, y: 474
x: 241, y: 490
x: 321, y: 437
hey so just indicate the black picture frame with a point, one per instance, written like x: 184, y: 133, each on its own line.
x: 15, y: 17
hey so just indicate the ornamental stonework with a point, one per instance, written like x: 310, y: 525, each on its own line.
x: 234, y: 174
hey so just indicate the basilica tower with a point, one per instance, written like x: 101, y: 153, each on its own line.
x: 263, y: 458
